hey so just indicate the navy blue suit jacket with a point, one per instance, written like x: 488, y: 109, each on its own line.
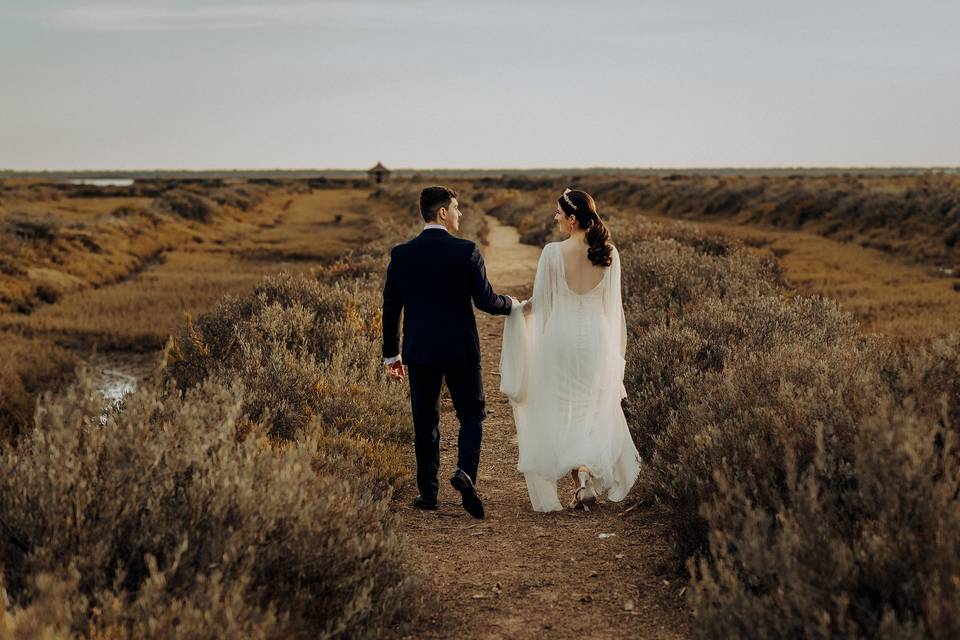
x: 433, y: 278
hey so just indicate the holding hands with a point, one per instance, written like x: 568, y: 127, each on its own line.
x: 395, y: 366
x: 525, y: 305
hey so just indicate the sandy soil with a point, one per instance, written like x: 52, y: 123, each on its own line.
x: 517, y: 573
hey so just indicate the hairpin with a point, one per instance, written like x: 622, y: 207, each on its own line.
x: 567, y: 199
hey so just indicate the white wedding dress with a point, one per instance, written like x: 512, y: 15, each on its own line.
x: 562, y: 369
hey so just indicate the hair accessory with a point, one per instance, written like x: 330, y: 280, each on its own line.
x: 567, y: 199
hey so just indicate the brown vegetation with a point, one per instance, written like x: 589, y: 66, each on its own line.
x: 27, y: 368
x: 914, y: 217
x: 831, y: 497
x: 808, y: 473
x: 154, y: 264
x: 244, y: 490
x: 886, y: 295
x: 246, y: 496
x: 905, y: 287
x: 178, y: 517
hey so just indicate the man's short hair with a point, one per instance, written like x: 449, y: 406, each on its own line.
x: 432, y: 199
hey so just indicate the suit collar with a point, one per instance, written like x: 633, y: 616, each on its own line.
x: 434, y: 232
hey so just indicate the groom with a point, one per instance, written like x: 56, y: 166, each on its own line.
x: 433, y: 278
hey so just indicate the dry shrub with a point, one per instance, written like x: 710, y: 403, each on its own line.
x: 303, y: 349
x: 810, y: 473
x: 294, y: 311
x: 244, y: 197
x: 709, y: 338
x: 862, y: 543
x: 911, y: 216
x: 186, y: 204
x: 26, y: 368
x: 664, y: 277
x: 32, y: 228
x: 248, y: 498
x: 177, y: 517
x: 758, y: 385
x: 351, y: 268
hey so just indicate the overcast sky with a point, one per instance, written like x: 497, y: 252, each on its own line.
x: 220, y: 84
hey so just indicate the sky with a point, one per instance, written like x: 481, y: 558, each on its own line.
x: 209, y: 84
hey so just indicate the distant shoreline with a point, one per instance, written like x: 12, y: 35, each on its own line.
x: 162, y: 174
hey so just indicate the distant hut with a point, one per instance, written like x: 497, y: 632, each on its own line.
x: 378, y: 174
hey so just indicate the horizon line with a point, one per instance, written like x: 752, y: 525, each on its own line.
x: 6, y: 170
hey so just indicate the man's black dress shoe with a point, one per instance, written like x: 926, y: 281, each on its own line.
x: 471, y: 501
x: 420, y: 503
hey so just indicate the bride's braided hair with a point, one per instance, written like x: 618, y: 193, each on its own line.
x: 581, y: 204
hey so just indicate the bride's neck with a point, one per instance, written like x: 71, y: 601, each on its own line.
x: 579, y: 235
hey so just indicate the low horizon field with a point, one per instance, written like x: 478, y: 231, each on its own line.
x: 76, y: 257
x: 793, y: 379
x: 469, y: 172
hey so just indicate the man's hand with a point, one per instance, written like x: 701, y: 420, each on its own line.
x: 396, y: 370
x: 527, y: 307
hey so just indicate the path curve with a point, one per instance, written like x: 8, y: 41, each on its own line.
x: 517, y: 573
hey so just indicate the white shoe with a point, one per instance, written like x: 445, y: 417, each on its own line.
x: 586, y: 496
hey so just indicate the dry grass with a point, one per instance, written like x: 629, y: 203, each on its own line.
x: 180, y: 267
x: 898, y: 288
x: 27, y: 368
x: 243, y: 491
x: 249, y: 499
x: 773, y: 431
x: 913, y: 217
x: 302, y: 346
x: 808, y: 473
x: 886, y: 295
x: 179, y: 518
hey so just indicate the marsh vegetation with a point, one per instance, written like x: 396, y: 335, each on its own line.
x: 801, y: 449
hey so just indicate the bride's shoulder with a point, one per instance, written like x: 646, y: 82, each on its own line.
x: 548, y: 256
x: 614, y: 257
x: 550, y: 247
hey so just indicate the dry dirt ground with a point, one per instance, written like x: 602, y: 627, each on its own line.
x: 521, y: 574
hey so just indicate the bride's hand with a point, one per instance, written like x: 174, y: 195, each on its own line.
x: 527, y: 307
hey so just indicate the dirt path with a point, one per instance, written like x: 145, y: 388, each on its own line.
x: 517, y: 573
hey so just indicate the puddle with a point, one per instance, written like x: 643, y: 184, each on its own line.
x: 117, y: 375
x: 115, y: 384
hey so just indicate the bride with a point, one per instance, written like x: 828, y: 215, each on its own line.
x: 562, y: 366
